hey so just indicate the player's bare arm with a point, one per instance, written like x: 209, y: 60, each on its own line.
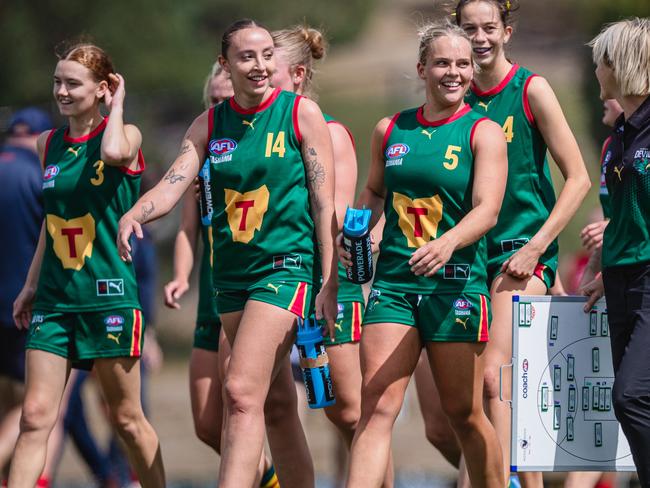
x: 491, y: 174
x: 562, y: 145
x: 165, y: 195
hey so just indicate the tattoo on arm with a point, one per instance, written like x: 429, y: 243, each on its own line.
x: 185, y: 148
x: 147, y: 209
x: 315, y: 170
x: 172, y: 177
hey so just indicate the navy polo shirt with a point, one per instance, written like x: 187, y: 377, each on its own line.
x: 21, y: 216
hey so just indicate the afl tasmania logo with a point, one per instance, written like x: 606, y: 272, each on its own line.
x: 221, y: 147
x: 114, y: 320
x: 462, y: 306
x: 397, y: 151
x: 50, y: 172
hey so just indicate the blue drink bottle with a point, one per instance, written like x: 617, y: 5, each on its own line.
x: 314, y: 364
x: 205, y: 202
x: 356, y: 240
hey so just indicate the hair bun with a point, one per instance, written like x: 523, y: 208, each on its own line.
x: 316, y: 41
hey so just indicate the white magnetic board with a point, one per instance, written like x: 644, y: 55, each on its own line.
x: 562, y: 377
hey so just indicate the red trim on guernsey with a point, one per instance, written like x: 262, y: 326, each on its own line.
x: 294, y: 118
x: 137, y: 331
x: 356, y: 321
x: 524, y: 96
x: 495, y: 89
x: 299, y: 298
x: 471, y: 134
x: 87, y: 137
x: 354, y: 145
x: 539, y: 271
x: 437, y: 123
x: 210, y: 126
x: 258, y: 108
x: 389, y: 129
x: 141, y: 166
x: 604, y: 149
x: 47, y: 147
x: 484, y: 335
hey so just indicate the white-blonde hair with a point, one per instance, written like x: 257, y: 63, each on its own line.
x: 625, y: 47
x: 432, y: 31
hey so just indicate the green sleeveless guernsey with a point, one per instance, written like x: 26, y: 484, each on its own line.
x: 261, y: 220
x: 207, y: 307
x: 529, y: 196
x: 83, y: 199
x: 429, y: 173
x: 348, y: 291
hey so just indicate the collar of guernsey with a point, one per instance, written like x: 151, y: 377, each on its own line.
x: 261, y: 222
x: 428, y: 175
x: 627, y: 236
x: 83, y: 200
x: 530, y: 196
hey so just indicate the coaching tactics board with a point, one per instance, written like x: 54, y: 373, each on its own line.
x: 562, y: 378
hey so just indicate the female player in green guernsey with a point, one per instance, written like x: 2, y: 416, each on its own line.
x: 592, y: 234
x: 80, y: 300
x: 438, y: 172
x: 272, y: 193
x: 210, y: 349
x: 296, y: 49
x: 522, y: 247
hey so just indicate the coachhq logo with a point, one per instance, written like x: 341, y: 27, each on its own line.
x: 524, y: 379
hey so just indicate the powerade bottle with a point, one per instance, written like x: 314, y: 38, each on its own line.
x: 356, y: 240
x: 205, y: 200
x: 314, y: 364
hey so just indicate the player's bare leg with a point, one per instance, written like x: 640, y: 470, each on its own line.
x: 582, y: 479
x: 205, y: 396
x: 12, y: 393
x: 224, y: 359
x: 46, y: 376
x: 345, y: 369
x: 436, y: 425
x: 287, y: 439
x: 389, y: 353
x: 499, y: 352
x: 458, y: 372
x: 257, y: 353
x: 120, y: 382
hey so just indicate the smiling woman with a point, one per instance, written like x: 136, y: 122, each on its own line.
x: 81, y: 299
x: 272, y: 191
x: 522, y: 247
x: 430, y: 287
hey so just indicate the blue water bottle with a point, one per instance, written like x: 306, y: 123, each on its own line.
x: 356, y: 240
x: 314, y: 364
x: 205, y: 200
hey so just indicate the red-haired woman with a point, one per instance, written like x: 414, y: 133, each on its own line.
x: 80, y: 301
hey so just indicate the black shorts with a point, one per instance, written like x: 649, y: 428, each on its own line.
x: 12, y: 352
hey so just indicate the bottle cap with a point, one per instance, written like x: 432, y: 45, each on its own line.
x: 356, y: 221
